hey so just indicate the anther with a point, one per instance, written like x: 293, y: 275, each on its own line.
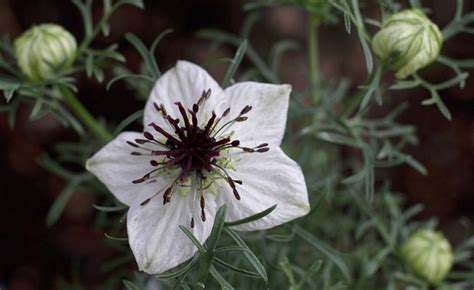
x: 167, y: 195
x: 262, y: 150
x: 148, y: 135
x: 145, y: 201
x: 226, y: 112
x: 161, y: 109
x: 160, y: 130
x: 140, y: 180
x: 183, y: 114
x: 231, y: 182
x: 236, y: 193
x: 204, y: 96
x: 241, y: 119
x: 192, y: 223
x: 210, y: 123
x: 245, y: 110
x: 133, y: 144
x: 203, y: 204
x: 232, y: 185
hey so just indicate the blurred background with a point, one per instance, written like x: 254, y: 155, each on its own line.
x: 34, y: 256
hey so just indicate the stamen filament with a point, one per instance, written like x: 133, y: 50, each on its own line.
x: 201, y: 153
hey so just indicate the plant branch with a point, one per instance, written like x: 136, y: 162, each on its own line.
x: 83, y: 114
x: 313, y: 57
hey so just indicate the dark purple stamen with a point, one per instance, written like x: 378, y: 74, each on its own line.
x: 191, y: 148
x: 148, y: 135
x: 226, y: 112
x: 133, y: 144
x: 167, y: 195
x: 203, y: 205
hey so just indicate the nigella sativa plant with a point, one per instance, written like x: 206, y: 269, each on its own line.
x: 202, y: 147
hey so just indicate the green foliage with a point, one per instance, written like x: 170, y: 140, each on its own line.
x: 46, y: 96
x: 350, y: 238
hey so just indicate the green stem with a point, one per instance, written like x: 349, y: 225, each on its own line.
x: 83, y: 114
x: 313, y: 57
x: 90, y: 37
x: 355, y: 99
x: 204, y: 268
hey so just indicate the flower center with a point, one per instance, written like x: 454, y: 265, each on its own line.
x: 200, y: 152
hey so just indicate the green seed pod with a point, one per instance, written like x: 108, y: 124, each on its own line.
x: 428, y: 254
x: 45, y: 50
x: 407, y: 42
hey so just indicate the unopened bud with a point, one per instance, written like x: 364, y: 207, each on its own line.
x: 407, y: 42
x: 45, y: 50
x: 428, y: 254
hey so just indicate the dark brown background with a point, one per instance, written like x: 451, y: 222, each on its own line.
x: 33, y: 256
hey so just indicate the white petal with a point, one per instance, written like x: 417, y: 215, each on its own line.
x: 185, y: 83
x: 268, y: 178
x: 117, y: 168
x: 157, y: 242
x: 267, y: 119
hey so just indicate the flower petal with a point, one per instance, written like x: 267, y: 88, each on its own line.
x: 185, y: 83
x: 267, y: 119
x: 268, y: 178
x: 157, y: 242
x: 117, y: 168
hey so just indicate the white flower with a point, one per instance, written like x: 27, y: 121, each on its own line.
x: 202, y: 147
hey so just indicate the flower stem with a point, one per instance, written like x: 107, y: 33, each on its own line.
x: 313, y: 57
x: 204, y: 271
x: 83, y: 114
x: 354, y: 101
x: 93, y: 33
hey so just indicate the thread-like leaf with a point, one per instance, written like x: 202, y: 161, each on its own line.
x: 249, y: 254
x: 330, y: 253
x: 239, y: 55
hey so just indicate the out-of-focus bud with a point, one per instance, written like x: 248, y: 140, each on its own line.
x: 407, y: 42
x: 45, y: 50
x: 428, y: 254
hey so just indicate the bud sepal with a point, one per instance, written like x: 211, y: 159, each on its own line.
x: 407, y: 42
x: 44, y: 51
x: 428, y: 254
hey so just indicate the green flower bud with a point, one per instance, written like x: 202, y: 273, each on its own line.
x: 428, y: 254
x: 45, y: 50
x: 407, y: 42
